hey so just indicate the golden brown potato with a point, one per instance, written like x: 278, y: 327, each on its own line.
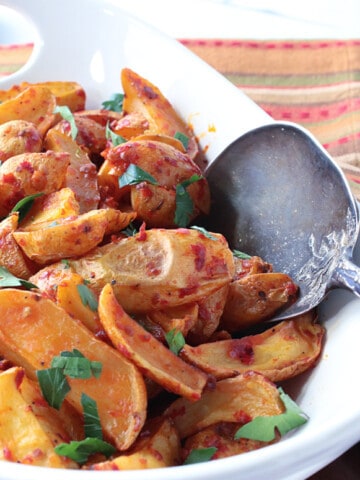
x: 238, y: 399
x: 34, y: 104
x: 281, y: 352
x: 154, y: 359
x: 181, y: 318
x: 31, y: 173
x: 159, y: 268
x: 28, y: 433
x: 145, y: 98
x: 70, y: 94
x: 155, y: 204
x: 157, y: 447
x: 81, y: 174
x: 33, y: 330
x: 130, y: 125
x: 257, y: 297
x: 67, y: 237
x: 18, y: 136
x: 11, y: 255
x: 221, y: 436
x: 51, y: 207
x: 90, y: 135
x: 68, y: 297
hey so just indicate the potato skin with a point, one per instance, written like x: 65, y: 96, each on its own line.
x: 18, y: 136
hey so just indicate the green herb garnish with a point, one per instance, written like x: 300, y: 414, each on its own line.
x: 183, y: 139
x: 204, y: 232
x: 54, y: 386
x: 80, y: 451
x: 175, y: 340
x: 130, y: 230
x: 75, y: 365
x: 241, y: 255
x: 87, y: 297
x: 7, y: 279
x: 184, y: 203
x: 263, y: 428
x: 200, y: 455
x: 115, y: 103
x: 114, y: 137
x: 67, y: 115
x: 24, y: 205
x: 135, y: 175
x: 92, y: 426
x: 65, y: 262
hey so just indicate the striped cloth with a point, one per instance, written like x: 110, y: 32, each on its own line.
x: 314, y: 83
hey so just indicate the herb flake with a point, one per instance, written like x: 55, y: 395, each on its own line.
x: 80, y: 451
x: 88, y: 298
x: 135, y: 175
x: 263, y: 428
x: 54, y: 386
x: 114, y: 137
x: 175, y: 340
x: 7, y: 279
x: 184, y: 139
x: 200, y: 455
x: 24, y: 205
x: 67, y: 115
x: 115, y: 104
x: 184, y: 203
x: 92, y: 426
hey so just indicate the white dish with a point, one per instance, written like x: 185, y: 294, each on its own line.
x: 90, y: 41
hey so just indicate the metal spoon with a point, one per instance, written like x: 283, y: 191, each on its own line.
x: 276, y: 193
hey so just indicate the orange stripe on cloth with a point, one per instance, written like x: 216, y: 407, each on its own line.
x: 13, y: 57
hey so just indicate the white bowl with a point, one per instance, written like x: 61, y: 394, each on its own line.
x: 90, y: 41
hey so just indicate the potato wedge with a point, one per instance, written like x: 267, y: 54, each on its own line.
x: 159, y: 268
x: 154, y: 359
x: 11, y: 255
x: 81, y: 174
x: 157, y: 447
x: 68, y: 297
x: 18, y: 136
x: 181, y: 318
x: 130, y: 125
x: 33, y: 330
x: 281, y: 352
x: 90, y: 135
x: 221, y: 436
x: 144, y: 97
x: 31, y: 173
x: 70, y: 94
x: 25, y: 436
x: 254, y: 298
x: 210, y: 311
x: 64, y: 238
x: 34, y: 104
x: 237, y: 399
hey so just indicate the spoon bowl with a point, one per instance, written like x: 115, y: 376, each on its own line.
x: 276, y: 193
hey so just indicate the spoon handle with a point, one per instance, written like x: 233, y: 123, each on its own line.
x: 347, y: 275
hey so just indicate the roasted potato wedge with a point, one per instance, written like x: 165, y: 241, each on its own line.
x: 11, y: 255
x: 50, y: 207
x: 119, y: 392
x: 158, y: 446
x: 280, y: 352
x: 154, y: 359
x: 237, y: 399
x: 70, y: 94
x: 81, y: 174
x: 26, y: 435
x: 159, y: 268
x: 68, y: 237
x: 257, y: 297
x: 181, y: 318
x: 144, y: 97
x: 35, y: 104
x: 31, y: 173
x: 18, y: 136
x: 221, y: 436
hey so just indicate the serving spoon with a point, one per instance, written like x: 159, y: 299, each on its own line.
x: 276, y: 193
